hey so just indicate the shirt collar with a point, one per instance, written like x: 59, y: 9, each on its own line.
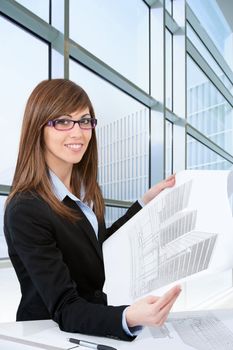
x: 60, y: 189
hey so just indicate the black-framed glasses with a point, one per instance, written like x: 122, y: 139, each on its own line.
x: 63, y: 123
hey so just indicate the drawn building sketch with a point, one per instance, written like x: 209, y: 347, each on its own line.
x: 185, y: 231
x: 168, y: 247
x: 203, y: 331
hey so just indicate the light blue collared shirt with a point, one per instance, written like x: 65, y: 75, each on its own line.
x: 61, y: 191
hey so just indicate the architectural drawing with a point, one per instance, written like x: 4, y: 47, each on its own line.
x: 167, y: 247
x: 185, y: 231
x: 204, y: 333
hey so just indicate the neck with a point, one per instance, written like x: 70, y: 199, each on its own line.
x: 64, y: 175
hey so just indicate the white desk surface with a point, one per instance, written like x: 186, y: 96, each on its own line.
x: 33, y: 335
x: 183, y: 331
x: 8, y: 345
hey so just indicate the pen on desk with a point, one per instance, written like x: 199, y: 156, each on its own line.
x: 90, y: 345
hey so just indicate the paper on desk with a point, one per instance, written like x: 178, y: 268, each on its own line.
x: 185, y: 231
x: 199, y: 330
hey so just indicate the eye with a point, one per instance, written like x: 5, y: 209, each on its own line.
x: 85, y: 121
x: 63, y: 122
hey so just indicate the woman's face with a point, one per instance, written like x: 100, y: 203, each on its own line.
x: 65, y: 148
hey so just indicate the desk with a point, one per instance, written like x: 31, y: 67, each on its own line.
x: 8, y: 345
x: 209, y: 330
x: 34, y: 335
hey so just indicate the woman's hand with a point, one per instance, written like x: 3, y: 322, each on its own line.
x: 152, y: 310
x: 156, y: 189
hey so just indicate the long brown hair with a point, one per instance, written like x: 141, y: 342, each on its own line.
x: 48, y: 100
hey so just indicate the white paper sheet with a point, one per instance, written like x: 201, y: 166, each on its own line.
x: 185, y: 231
x: 202, y: 330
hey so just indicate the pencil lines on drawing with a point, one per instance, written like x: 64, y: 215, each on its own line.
x: 166, y: 246
x: 204, y: 333
x: 173, y: 202
x: 201, y: 332
x: 160, y: 332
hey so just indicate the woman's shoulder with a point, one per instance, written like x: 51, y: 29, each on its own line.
x: 27, y: 216
x: 28, y: 201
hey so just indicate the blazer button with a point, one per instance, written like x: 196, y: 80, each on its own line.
x: 98, y: 294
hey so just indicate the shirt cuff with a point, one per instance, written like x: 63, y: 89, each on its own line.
x: 132, y: 331
x: 140, y: 201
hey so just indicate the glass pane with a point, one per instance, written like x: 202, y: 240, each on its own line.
x: 3, y: 246
x: 112, y: 214
x: 208, y: 57
x: 207, y: 109
x: 21, y: 69
x: 168, y: 72
x: 168, y: 6
x: 118, y: 34
x: 58, y: 14
x: 201, y: 157
x: 169, y: 149
x: 216, y: 19
x: 57, y: 66
x: 123, y: 137
x: 39, y: 7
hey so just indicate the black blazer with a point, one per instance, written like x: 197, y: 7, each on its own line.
x: 60, y: 266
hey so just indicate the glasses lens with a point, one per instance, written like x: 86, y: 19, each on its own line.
x: 87, y: 123
x: 63, y: 124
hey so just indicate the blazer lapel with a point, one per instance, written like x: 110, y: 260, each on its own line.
x: 85, y: 225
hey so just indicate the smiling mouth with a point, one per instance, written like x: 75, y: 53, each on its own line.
x: 74, y: 146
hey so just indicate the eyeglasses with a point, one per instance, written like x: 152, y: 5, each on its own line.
x: 63, y: 124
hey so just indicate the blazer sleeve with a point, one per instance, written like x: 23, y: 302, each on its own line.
x: 136, y: 207
x: 32, y: 234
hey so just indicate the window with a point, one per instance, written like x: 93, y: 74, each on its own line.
x: 201, y: 157
x: 39, y: 7
x: 20, y: 77
x: 169, y: 149
x: 116, y: 34
x: 112, y: 214
x: 208, y: 57
x: 168, y: 6
x: 208, y: 111
x: 169, y: 79
x: 216, y: 19
x: 57, y: 14
x: 30, y: 67
x: 123, y: 137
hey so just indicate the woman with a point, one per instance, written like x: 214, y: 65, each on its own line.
x: 54, y: 220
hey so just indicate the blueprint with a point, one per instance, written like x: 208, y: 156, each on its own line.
x: 186, y: 230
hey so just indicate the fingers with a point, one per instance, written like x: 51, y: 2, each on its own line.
x: 170, y: 181
x: 151, y: 299
x: 168, y: 296
x: 163, y: 306
x: 164, y: 312
x: 151, y: 310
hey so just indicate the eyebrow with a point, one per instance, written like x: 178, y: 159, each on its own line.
x: 64, y: 116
